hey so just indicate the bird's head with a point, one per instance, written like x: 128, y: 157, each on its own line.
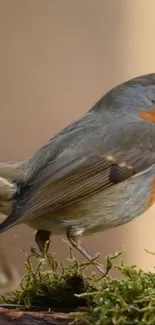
x: 133, y: 97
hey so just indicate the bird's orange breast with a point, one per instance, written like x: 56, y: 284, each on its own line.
x: 148, y: 116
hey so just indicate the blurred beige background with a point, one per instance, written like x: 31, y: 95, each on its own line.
x: 57, y: 58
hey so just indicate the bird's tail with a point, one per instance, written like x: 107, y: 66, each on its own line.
x: 12, y: 171
x: 7, y: 192
x: 10, y: 175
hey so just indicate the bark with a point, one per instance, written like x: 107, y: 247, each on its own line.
x: 14, y: 317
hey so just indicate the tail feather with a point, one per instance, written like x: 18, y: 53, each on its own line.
x: 10, y: 174
x: 7, y: 223
x: 7, y: 189
x: 7, y: 194
x: 6, y: 207
x: 12, y: 170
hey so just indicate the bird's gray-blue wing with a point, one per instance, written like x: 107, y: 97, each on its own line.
x: 68, y: 178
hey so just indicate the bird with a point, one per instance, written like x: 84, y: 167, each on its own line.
x: 95, y: 174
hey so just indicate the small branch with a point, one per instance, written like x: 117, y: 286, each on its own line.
x: 14, y: 317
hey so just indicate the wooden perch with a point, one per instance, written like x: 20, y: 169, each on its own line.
x: 14, y: 317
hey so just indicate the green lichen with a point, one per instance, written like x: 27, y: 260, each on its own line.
x: 106, y: 301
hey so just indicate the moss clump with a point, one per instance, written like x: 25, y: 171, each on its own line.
x: 107, y: 301
x: 56, y: 288
x: 122, y: 302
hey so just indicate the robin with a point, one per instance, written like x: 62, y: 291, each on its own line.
x: 97, y: 173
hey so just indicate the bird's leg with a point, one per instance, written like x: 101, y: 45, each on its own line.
x: 42, y: 238
x: 73, y: 239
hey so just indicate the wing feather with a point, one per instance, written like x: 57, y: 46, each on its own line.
x: 91, y: 176
x: 65, y: 179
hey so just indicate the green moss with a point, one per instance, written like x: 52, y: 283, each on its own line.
x: 107, y: 301
x: 121, y: 302
x: 55, y: 288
